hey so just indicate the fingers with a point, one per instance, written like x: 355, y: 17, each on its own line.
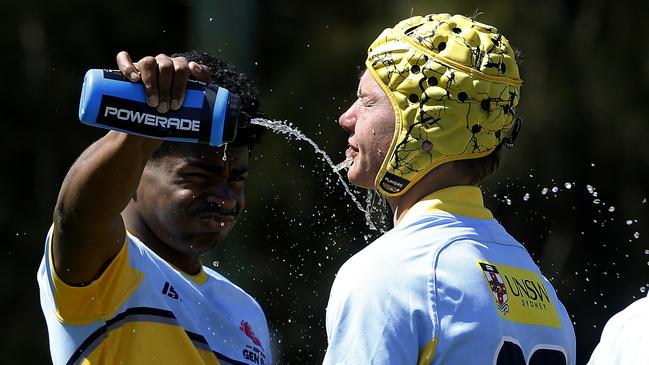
x: 181, y: 75
x: 127, y: 67
x: 164, y: 78
x: 199, y: 72
x: 149, y: 73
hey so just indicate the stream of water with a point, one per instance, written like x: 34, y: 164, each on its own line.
x: 284, y: 127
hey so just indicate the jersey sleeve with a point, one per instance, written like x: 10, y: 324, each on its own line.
x: 79, y: 305
x: 624, y: 338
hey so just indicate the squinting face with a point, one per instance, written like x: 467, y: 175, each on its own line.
x: 191, y: 198
x: 370, y: 123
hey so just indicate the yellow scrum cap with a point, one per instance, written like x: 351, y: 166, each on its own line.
x: 454, y: 85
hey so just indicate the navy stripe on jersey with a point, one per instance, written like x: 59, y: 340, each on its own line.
x: 142, y: 314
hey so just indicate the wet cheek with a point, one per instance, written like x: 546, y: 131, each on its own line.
x: 180, y: 199
x: 185, y: 194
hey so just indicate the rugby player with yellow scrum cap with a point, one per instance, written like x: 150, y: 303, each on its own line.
x: 448, y: 284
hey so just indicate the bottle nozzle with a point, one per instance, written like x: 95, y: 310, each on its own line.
x: 244, y: 120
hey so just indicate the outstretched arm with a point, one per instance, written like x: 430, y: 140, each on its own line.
x: 88, y: 228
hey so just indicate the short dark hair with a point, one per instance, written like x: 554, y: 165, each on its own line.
x: 478, y: 169
x: 224, y: 74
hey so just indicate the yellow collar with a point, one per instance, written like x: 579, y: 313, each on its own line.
x: 457, y: 200
x: 199, y: 278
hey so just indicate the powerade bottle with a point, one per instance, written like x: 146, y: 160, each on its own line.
x: 209, y: 114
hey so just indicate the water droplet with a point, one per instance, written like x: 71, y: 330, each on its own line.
x: 215, y: 264
x: 629, y: 222
x: 611, y: 209
x: 544, y: 191
x: 636, y: 235
x: 590, y: 189
x: 643, y: 289
x: 596, y: 201
x: 568, y: 185
x: 211, y: 19
x: 555, y: 189
x: 526, y: 197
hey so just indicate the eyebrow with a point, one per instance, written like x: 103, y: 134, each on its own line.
x: 361, y: 71
x: 215, y: 168
x: 241, y: 171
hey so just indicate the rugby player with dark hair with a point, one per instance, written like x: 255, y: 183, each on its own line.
x: 121, y: 279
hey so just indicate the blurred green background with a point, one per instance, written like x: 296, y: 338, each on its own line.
x: 584, y: 104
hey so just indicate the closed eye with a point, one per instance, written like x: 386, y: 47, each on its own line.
x: 238, y: 178
x: 195, y: 177
x: 197, y: 174
x: 366, y: 101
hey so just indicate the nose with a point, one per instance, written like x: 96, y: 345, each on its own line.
x: 222, y: 196
x: 347, y: 120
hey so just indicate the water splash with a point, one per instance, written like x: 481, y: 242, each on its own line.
x: 284, y: 127
x: 347, y: 163
x: 377, y: 205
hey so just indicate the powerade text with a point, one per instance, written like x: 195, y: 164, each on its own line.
x: 153, y: 120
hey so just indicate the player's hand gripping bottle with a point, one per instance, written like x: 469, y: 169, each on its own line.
x: 209, y: 114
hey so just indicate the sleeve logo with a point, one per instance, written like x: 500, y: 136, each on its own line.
x: 169, y: 291
x: 520, y: 295
x: 247, y: 330
x: 255, y: 354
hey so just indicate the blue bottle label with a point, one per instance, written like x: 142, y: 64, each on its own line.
x: 129, y: 115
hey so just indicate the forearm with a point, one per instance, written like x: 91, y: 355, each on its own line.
x: 102, y: 181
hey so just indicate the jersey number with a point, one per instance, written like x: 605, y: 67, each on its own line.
x: 511, y: 354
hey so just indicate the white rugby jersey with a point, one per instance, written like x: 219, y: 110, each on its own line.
x: 447, y: 285
x: 142, y: 310
x: 625, y: 337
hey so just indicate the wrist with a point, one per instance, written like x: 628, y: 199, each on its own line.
x: 145, y: 144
